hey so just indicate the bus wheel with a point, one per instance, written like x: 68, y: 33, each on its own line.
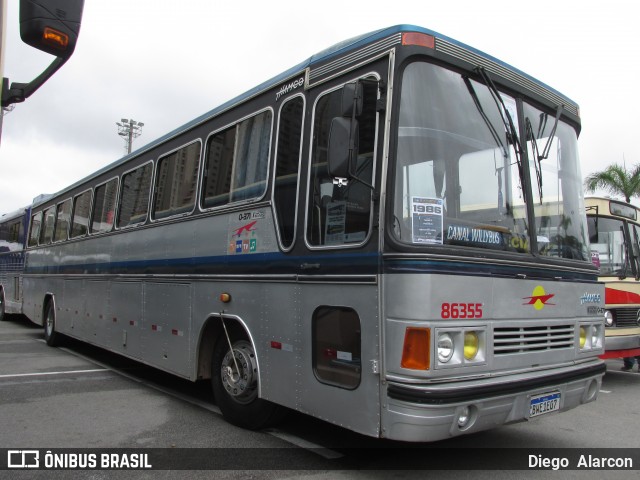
x: 2, y: 311
x: 234, y: 379
x: 50, y: 335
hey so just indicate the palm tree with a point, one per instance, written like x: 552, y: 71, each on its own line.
x: 617, y: 180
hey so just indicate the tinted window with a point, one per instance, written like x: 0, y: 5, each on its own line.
x: 49, y: 222
x: 237, y: 162
x: 104, y: 207
x: 340, y: 215
x: 81, y: 209
x: 287, y: 165
x: 336, y: 346
x: 34, y: 232
x: 176, y: 182
x: 134, y: 200
x: 63, y: 215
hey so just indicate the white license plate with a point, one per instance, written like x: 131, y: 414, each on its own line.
x: 541, y: 404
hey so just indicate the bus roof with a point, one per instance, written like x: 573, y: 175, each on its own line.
x: 320, y: 57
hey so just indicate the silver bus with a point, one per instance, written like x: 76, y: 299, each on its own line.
x: 389, y: 236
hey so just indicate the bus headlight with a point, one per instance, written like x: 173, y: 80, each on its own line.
x: 608, y: 318
x: 583, y: 336
x: 591, y: 337
x: 445, y: 347
x: 471, y: 345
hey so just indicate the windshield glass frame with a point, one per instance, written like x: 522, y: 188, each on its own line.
x: 463, y: 174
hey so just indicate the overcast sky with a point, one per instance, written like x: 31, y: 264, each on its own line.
x: 166, y: 62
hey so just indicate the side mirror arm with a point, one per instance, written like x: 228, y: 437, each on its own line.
x: 19, y: 92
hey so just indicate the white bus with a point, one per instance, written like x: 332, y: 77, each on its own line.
x: 364, y: 238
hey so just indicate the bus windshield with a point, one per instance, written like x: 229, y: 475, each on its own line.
x: 460, y: 171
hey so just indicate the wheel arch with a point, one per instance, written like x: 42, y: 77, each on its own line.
x: 210, y: 334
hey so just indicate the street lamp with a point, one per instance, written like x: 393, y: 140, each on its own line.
x: 128, y: 130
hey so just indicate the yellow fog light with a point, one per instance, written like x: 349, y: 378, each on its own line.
x: 583, y: 336
x: 471, y: 345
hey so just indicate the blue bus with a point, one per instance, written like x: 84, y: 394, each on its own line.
x: 13, y: 228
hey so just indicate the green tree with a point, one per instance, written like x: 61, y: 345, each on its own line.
x: 617, y: 180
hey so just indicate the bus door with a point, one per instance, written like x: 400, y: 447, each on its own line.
x: 337, y: 274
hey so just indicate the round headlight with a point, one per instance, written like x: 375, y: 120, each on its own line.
x: 445, y: 347
x: 608, y: 318
x: 471, y: 345
x: 583, y: 336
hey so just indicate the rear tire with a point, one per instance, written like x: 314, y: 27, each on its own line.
x: 235, y: 386
x: 50, y: 335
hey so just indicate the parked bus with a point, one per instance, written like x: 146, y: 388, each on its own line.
x: 614, y: 231
x: 356, y: 239
x: 13, y: 228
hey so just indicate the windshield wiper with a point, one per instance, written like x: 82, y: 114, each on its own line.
x: 509, y: 125
x: 536, y: 162
x: 538, y: 157
x: 492, y: 129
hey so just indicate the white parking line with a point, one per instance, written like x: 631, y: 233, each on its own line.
x: 292, y: 439
x: 302, y: 443
x: 13, y: 375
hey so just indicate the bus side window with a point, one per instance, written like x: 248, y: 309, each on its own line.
x: 134, y: 199
x: 336, y: 346
x: 287, y: 169
x: 341, y: 215
x: 46, y: 235
x: 104, y: 207
x: 236, y: 162
x: 34, y: 231
x: 176, y: 180
x: 80, y: 219
x: 63, y: 215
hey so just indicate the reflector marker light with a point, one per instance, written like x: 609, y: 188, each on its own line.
x: 419, y: 39
x: 55, y: 38
x: 225, y: 297
x: 415, y: 352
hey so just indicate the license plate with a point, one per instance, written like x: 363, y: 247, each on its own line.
x: 541, y: 404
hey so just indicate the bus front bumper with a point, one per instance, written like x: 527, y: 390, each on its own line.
x: 424, y: 413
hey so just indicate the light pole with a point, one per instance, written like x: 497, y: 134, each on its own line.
x: 128, y: 130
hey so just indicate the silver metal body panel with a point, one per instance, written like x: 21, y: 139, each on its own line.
x: 414, y: 300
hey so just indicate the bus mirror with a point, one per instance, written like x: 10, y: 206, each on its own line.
x: 352, y: 99
x: 343, y: 146
x: 51, y: 25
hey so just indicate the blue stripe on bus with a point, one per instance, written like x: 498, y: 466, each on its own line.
x: 327, y: 264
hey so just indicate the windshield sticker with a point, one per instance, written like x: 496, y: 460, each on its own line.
x: 426, y: 220
x: 335, y: 224
x: 479, y: 236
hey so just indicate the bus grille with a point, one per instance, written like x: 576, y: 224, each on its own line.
x: 626, y: 317
x: 509, y: 340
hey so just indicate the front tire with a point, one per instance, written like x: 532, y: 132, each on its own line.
x: 50, y: 335
x: 234, y: 379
